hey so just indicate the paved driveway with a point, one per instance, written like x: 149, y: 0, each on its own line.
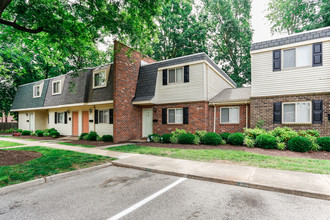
x: 133, y: 194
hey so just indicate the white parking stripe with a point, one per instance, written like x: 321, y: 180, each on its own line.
x: 146, y: 200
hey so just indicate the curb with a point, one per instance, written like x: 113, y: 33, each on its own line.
x: 231, y: 182
x: 48, y: 179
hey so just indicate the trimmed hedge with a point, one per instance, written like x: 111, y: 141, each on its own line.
x: 166, y: 138
x: 92, y: 136
x: 54, y: 134
x: 40, y: 133
x: 266, y: 141
x: 324, y: 143
x: 212, y: 138
x: 186, y: 138
x: 26, y: 133
x: 225, y: 135
x: 299, y: 144
x: 107, y: 138
x: 81, y: 137
x: 236, y: 139
x: 151, y: 137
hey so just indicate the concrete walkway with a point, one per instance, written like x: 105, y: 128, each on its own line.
x: 297, y: 183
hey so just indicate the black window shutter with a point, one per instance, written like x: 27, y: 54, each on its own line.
x: 317, y: 54
x: 317, y: 111
x: 277, y: 112
x: 55, y: 119
x: 277, y: 60
x: 164, y: 77
x: 185, y: 115
x: 65, y: 117
x: 111, y: 116
x: 186, y: 74
x: 164, y: 116
x: 96, y: 116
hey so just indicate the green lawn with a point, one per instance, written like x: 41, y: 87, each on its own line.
x: 52, y: 162
x: 9, y: 144
x: 78, y: 145
x: 238, y: 157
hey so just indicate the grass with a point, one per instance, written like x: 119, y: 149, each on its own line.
x: 9, y: 144
x: 52, y: 162
x: 78, y: 145
x: 238, y: 157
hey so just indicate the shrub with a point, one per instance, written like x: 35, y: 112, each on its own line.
x: 281, y: 146
x: 248, y: 141
x: 254, y: 132
x: 212, y: 138
x: 156, y: 138
x: 223, y: 142
x: 9, y: 130
x: 46, y: 134
x: 166, y: 138
x: 176, y: 134
x: 26, y: 133
x: 50, y: 130
x: 266, y: 141
x: 54, y: 134
x: 299, y: 144
x: 313, y: 132
x: 224, y: 136
x: 152, y: 136
x: 197, y: 140
x: 98, y: 138
x: 81, y: 137
x: 186, y: 138
x: 324, y: 143
x: 201, y: 135
x: 107, y: 138
x: 92, y: 136
x: 283, y: 134
x: 236, y: 139
x: 33, y: 134
x: 19, y: 130
x: 39, y: 133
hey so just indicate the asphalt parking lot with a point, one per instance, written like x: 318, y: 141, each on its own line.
x: 114, y: 192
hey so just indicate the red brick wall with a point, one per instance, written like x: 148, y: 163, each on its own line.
x: 127, y: 117
x: 231, y: 128
x: 262, y: 108
x: 198, y: 117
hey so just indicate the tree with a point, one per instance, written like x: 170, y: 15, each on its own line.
x: 180, y: 32
x: 231, y: 36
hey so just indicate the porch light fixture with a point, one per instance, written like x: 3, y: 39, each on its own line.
x: 90, y: 111
x: 68, y: 111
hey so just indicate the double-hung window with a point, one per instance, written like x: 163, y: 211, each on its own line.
x: 103, y: 116
x: 99, y: 79
x: 297, y: 57
x: 60, y: 117
x: 36, y: 91
x: 229, y: 115
x: 56, y: 87
x: 297, y: 112
x: 175, y: 116
x: 175, y: 75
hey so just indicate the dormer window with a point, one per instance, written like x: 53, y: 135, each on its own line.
x: 99, y: 79
x: 56, y: 87
x: 36, y: 91
x: 175, y: 75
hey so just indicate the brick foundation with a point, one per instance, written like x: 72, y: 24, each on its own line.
x: 262, y: 108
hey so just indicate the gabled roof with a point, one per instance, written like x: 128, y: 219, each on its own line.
x: 24, y: 96
x: 304, y: 36
x: 146, y: 84
x: 232, y: 95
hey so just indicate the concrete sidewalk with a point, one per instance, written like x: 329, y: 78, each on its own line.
x: 297, y: 183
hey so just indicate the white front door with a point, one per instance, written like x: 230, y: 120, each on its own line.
x: 31, y: 120
x: 146, y: 121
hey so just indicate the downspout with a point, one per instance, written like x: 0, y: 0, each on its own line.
x: 247, y: 115
x: 214, y: 116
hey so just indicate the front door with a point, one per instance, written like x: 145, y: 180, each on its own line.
x: 31, y: 120
x: 75, y: 123
x: 146, y: 121
x: 85, y: 122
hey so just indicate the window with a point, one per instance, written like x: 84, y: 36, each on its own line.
x: 36, y: 91
x: 56, y: 87
x: 175, y: 116
x: 297, y: 112
x: 99, y: 79
x: 60, y: 117
x: 229, y: 115
x: 175, y: 75
x: 104, y: 116
x: 297, y: 57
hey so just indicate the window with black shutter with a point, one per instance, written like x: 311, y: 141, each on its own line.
x: 186, y: 74
x: 317, y: 54
x: 55, y: 119
x: 317, y: 111
x: 277, y: 60
x: 96, y: 116
x: 111, y: 116
x: 164, y: 116
x: 164, y: 77
x: 277, y: 112
x: 65, y: 117
x: 185, y: 115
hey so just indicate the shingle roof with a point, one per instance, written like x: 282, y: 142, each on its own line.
x: 232, y: 94
x: 310, y: 35
x: 24, y: 96
x: 146, y: 85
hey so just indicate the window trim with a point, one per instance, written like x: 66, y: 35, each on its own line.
x: 58, y: 121
x: 310, y: 114
x: 230, y: 123
x: 105, y: 79
x: 176, y: 82
x: 168, y: 116
x: 295, y: 54
x: 60, y: 87
x: 102, y: 110
x: 34, y: 87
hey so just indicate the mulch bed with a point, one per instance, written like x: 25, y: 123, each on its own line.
x: 12, y: 157
x: 321, y: 155
x: 85, y: 142
x: 37, y: 138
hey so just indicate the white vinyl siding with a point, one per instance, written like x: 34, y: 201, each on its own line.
x: 215, y: 83
x: 297, y: 112
x: 229, y: 115
x: 301, y: 80
x: 175, y: 116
